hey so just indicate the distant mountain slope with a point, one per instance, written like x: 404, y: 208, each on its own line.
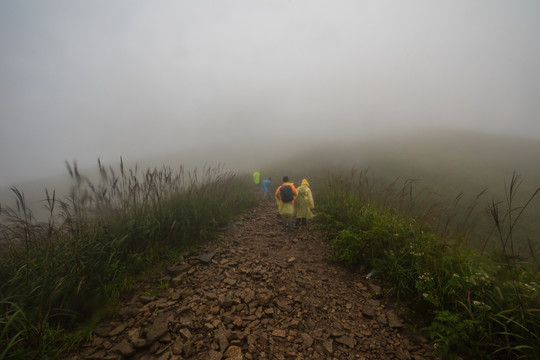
x: 447, y: 163
x: 461, y: 160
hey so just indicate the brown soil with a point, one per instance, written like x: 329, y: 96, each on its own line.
x: 258, y: 293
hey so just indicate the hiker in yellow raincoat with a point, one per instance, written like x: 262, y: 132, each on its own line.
x: 304, y: 203
x: 285, y: 195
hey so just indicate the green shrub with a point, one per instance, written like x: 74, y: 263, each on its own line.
x: 474, y: 306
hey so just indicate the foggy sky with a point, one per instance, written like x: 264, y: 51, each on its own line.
x: 97, y: 78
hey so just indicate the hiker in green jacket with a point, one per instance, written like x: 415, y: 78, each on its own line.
x: 256, y: 177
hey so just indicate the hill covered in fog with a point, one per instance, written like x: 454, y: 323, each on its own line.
x: 446, y: 162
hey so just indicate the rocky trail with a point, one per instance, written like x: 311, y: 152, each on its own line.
x: 258, y: 293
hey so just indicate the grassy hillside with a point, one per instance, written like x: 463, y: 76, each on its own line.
x: 68, y: 272
x: 445, y: 166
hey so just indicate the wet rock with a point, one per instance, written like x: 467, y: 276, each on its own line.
x: 118, y: 330
x: 177, y: 281
x: 346, y: 340
x: 139, y: 343
x: 234, y: 353
x: 368, y: 311
x: 124, y: 348
x: 376, y: 289
x: 223, y: 341
x: 127, y: 313
x: 328, y: 345
x: 381, y: 318
x: 279, y: 333
x: 103, y: 330
x: 393, y: 320
x: 214, y: 355
x: 373, y: 302
x: 206, y: 258
x: 145, y: 299
x: 178, y: 346
x: 159, y: 327
x: 307, y: 340
x: 176, y: 270
x: 186, y: 333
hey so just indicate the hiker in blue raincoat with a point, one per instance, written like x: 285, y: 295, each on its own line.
x: 266, y: 188
x: 285, y: 195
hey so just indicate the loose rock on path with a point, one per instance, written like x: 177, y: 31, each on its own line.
x: 258, y: 293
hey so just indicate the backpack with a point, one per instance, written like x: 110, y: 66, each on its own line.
x: 286, y: 193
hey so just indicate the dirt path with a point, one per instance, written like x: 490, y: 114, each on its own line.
x: 258, y: 294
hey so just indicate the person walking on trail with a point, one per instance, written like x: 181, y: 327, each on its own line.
x: 304, y: 204
x: 256, y: 177
x: 266, y: 188
x: 285, y: 195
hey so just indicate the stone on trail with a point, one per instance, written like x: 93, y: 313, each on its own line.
x: 346, y: 340
x: 177, y: 346
x: 159, y: 327
x: 134, y: 336
x: 307, y: 340
x: 223, y: 341
x: 393, y: 320
x: 139, y: 343
x: 186, y: 333
x: 124, y: 348
x: 214, y: 355
x: 368, y: 311
x: 229, y: 281
x: 176, y: 270
x: 118, y: 330
x: 103, y: 330
x: 206, y: 258
x: 329, y: 345
x: 279, y: 333
x: 177, y: 281
x: 376, y: 289
x: 234, y: 353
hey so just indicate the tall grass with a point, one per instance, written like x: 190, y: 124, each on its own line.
x: 61, y: 272
x: 473, y: 305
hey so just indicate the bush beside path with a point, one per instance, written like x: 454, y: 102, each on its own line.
x: 258, y: 293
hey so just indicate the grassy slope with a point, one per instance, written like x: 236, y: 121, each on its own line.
x: 469, y: 162
x: 447, y: 163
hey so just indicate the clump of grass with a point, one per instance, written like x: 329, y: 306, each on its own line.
x: 473, y: 305
x: 61, y: 272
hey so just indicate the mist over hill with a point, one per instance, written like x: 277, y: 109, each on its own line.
x: 448, y: 162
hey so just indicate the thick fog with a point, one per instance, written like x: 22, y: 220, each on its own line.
x: 81, y: 80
